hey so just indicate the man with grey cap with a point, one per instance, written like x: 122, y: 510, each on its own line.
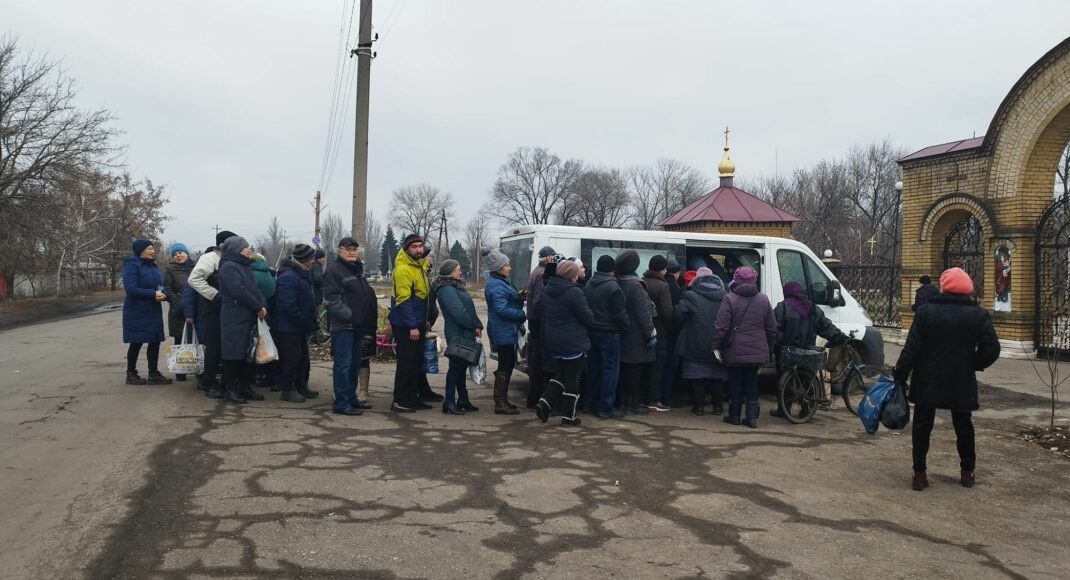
x: 295, y: 319
x: 354, y: 314
x: 536, y: 283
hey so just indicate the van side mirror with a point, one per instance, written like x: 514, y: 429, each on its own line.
x: 835, y: 295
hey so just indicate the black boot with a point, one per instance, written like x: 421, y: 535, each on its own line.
x: 213, y: 390
x: 155, y: 378
x: 450, y: 408
x: 462, y: 399
x: 698, y: 396
x: 132, y: 378
x: 250, y: 394
x: 501, y: 395
x: 308, y: 393
x: 290, y: 395
x: 572, y: 403
x: 427, y: 395
x: 180, y: 377
x: 734, y: 408
x: 752, y: 414
x: 233, y: 395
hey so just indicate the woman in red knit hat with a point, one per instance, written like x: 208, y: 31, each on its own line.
x: 950, y: 340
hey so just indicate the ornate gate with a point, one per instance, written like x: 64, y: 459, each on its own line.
x: 964, y: 247
x: 1052, y: 252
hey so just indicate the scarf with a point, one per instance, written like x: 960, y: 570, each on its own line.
x: 443, y: 281
x: 298, y: 265
x: 795, y: 296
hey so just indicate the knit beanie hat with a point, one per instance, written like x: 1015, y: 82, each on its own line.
x: 139, y: 246
x: 303, y: 252
x: 494, y: 259
x: 956, y: 281
x: 410, y: 240
x: 658, y: 263
x: 234, y: 243
x: 745, y: 275
x: 674, y: 267
x: 222, y: 237
x: 702, y: 273
x: 448, y: 267
x: 925, y: 280
x: 567, y: 270
x: 179, y: 247
x: 689, y: 276
x: 606, y: 264
x: 627, y: 262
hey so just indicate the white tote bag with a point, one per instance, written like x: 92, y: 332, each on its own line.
x: 478, y: 373
x: 186, y: 358
x: 265, y: 346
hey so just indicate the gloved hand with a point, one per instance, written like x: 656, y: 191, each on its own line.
x: 717, y: 355
x: 653, y: 342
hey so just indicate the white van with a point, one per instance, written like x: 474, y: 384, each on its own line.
x: 777, y: 261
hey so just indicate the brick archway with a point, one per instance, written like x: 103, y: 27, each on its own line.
x: 1004, y: 180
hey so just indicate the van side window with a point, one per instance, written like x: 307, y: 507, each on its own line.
x: 791, y: 267
x: 795, y: 267
x: 819, y: 283
x: 519, y: 253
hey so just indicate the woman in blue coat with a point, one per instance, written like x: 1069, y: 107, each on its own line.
x: 242, y: 306
x: 462, y: 323
x: 143, y: 312
x: 505, y: 314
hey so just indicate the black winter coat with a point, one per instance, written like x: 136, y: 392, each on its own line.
x: 661, y: 296
x: 633, y: 347
x: 317, y: 282
x: 675, y: 290
x: 694, y: 317
x: 241, y: 302
x: 566, y: 318
x: 174, y: 280
x: 794, y: 330
x: 923, y: 295
x: 295, y: 305
x: 950, y: 340
x: 536, y: 282
x: 607, y: 303
x: 349, y: 298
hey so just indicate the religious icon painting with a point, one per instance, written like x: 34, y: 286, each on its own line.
x: 1002, y: 300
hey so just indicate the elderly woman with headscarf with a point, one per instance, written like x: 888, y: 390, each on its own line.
x: 743, y: 339
x: 799, y: 323
x: 242, y: 306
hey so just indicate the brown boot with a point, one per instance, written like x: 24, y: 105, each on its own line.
x: 966, y: 478
x: 501, y: 395
x: 920, y: 481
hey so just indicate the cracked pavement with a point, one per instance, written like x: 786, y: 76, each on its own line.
x: 104, y: 480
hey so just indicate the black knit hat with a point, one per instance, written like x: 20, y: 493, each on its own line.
x: 303, y: 252
x: 674, y: 267
x: 606, y: 264
x: 222, y: 237
x: 925, y: 280
x: 658, y: 263
x: 627, y: 262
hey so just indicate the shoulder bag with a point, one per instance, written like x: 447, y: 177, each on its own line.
x: 729, y: 334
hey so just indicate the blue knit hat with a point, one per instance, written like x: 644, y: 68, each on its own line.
x: 179, y: 247
x: 139, y: 246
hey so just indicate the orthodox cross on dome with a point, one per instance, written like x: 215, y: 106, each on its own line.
x: 726, y: 168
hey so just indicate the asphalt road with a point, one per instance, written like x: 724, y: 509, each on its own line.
x: 104, y: 480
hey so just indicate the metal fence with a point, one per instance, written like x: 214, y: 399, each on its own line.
x: 876, y: 287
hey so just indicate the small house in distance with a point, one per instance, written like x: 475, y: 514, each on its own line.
x: 730, y: 210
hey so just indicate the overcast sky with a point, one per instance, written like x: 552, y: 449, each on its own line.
x: 227, y: 102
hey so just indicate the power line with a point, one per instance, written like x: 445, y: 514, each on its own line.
x: 339, y: 80
x: 386, y: 28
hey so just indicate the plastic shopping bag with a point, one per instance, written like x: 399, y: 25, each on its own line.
x: 896, y: 411
x: 186, y: 358
x: 478, y: 373
x: 869, y: 410
x: 431, y: 354
x: 265, y: 346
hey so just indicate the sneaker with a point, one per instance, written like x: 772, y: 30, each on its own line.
x: 570, y: 422
x: 132, y: 378
x: 399, y: 408
x: 639, y: 410
x: 349, y: 411
x: 155, y: 378
x: 659, y: 407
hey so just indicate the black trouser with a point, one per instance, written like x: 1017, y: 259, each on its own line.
x: 564, y: 389
x: 506, y: 358
x: 924, y: 417
x: 213, y: 340
x: 715, y: 387
x: 238, y: 374
x: 633, y: 376
x: 153, y: 352
x: 293, y: 358
x: 661, y: 351
x: 536, y: 378
x: 409, y: 375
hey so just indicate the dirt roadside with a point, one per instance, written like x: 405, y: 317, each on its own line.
x: 26, y: 311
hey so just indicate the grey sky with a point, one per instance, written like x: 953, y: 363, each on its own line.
x: 226, y: 102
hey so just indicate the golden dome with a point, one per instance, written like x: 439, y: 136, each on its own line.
x: 726, y: 168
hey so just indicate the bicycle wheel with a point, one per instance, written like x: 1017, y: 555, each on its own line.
x: 798, y: 395
x: 853, y: 389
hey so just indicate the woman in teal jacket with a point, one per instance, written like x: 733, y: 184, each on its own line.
x: 462, y: 322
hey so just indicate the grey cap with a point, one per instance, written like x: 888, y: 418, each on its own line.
x: 546, y: 252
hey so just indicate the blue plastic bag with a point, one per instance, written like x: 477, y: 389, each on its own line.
x: 431, y: 355
x: 869, y: 410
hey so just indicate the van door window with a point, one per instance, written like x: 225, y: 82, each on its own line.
x: 819, y: 283
x: 519, y: 253
x: 724, y: 261
x: 795, y: 267
x: 591, y: 250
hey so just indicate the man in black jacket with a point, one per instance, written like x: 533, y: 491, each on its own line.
x: 924, y: 293
x: 607, y: 302
x: 354, y: 312
x: 950, y: 339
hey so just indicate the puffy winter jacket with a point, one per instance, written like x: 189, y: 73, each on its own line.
x: 566, y: 318
x: 349, y: 298
x: 794, y: 330
x: 505, y: 310
x: 675, y: 290
x: 191, y: 308
x: 923, y: 295
x: 295, y: 305
x: 241, y: 302
x: 694, y: 318
x: 633, y: 343
x: 607, y: 302
x: 950, y: 340
x: 661, y: 296
x: 458, y: 311
x: 754, y: 333
x: 175, y: 278
x: 536, y: 282
x: 142, y: 314
x: 409, y: 306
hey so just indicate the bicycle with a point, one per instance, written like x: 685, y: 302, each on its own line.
x: 801, y: 389
x: 849, y: 379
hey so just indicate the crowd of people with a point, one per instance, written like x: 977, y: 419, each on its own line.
x: 610, y: 344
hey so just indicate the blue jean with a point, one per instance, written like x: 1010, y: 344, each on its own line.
x: 603, y: 371
x: 743, y: 387
x: 347, y: 352
x: 455, y: 384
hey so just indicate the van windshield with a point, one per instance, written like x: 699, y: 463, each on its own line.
x: 519, y: 253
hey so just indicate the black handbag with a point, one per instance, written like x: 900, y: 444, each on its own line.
x: 464, y: 349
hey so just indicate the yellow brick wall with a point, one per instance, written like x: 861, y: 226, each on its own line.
x: 774, y: 229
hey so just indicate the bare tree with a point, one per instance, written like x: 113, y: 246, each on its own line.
x: 597, y: 198
x: 662, y: 189
x: 1062, y: 175
x: 332, y: 230
x: 419, y: 209
x: 530, y: 185
x: 477, y: 237
x: 138, y: 207
x: 873, y: 172
x: 372, y: 238
x: 273, y: 243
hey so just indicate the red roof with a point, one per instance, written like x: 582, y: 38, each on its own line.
x: 729, y: 204
x: 963, y: 146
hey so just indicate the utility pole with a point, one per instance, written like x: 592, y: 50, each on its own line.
x: 360, y: 150
x: 217, y: 228
x: 316, y: 207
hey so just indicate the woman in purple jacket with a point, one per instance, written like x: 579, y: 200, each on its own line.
x: 746, y: 320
